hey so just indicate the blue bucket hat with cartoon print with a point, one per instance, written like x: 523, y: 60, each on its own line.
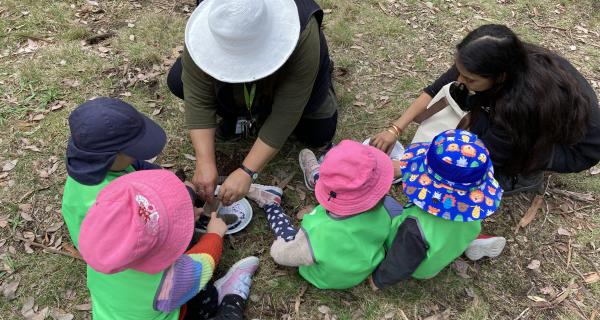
x: 452, y: 178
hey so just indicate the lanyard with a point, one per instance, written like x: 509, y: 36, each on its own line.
x: 249, y: 97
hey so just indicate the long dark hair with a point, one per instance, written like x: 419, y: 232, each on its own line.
x: 535, y: 100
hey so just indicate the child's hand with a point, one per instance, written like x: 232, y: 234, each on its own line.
x: 216, y: 225
x: 198, y: 212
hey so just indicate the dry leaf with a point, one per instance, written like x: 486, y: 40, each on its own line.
x: 24, y: 210
x: 27, y: 306
x: 564, y: 232
x: 304, y: 210
x: 53, y: 168
x: 84, y: 307
x: 548, y: 291
x: 70, y: 249
x: 532, y: 211
x: 9, y: 290
x: 440, y: 316
x: 324, y: 309
x: 59, y: 314
x: 55, y: 226
x: 3, y: 221
x: 40, y: 316
x: 9, y: 165
x: 536, y: 299
x: 29, y: 235
x: 157, y: 111
x: 32, y: 148
x: 461, y: 268
x: 534, y: 264
x: 592, y: 277
x: 103, y: 49
x: 27, y: 246
x: 189, y: 157
x: 595, y: 170
x: 38, y: 117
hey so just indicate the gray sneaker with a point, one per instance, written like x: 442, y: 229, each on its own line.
x: 310, y: 168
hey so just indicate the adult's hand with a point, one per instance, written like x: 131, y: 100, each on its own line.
x: 384, y: 141
x: 205, y: 175
x: 205, y: 179
x: 235, y: 187
x: 237, y: 184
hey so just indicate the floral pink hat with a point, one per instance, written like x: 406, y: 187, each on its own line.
x: 142, y: 221
x: 353, y: 178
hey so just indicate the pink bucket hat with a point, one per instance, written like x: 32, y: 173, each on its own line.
x: 353, y: 178
x: 142, y: 221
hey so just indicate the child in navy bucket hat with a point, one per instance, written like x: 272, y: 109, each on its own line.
x: 451, y: 187
x: 109, y: 138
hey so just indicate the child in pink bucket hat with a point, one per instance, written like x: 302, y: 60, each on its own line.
x: 341, y: 241
x: 134, y: 241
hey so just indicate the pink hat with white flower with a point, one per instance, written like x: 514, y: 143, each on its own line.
x: 142, y: 221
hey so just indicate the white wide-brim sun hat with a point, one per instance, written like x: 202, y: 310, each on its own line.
x: 239, y: 41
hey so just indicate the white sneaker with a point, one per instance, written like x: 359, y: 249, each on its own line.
x: 264, y: 195
x: 485, y: 246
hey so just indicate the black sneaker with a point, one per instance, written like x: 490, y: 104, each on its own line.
x: 533, y: 182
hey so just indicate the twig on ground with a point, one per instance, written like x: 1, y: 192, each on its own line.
x: 569, y: 253
x: 580, y: 208
x: 547, y: 27
x: 298, y: 301
x: 51, y: 250
x: 574, y: 195
x: 402, y: 314
x: 28, y: 194
x: 522, y: 313
x: 99, y: 38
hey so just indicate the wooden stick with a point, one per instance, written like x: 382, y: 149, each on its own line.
x: 51, y: 250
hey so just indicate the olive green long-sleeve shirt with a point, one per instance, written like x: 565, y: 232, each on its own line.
x: 291, y: 92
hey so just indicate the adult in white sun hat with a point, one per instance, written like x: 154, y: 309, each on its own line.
x: 263, y: 66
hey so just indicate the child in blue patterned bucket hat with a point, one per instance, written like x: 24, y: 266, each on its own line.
x: 451, y: 187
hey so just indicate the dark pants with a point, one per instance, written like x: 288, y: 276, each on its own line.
x: 315, y: 133
x: 205, y: 306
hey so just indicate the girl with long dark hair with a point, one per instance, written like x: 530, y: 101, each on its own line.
x: 532, y: 108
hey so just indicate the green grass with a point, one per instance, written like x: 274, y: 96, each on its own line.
x: 402, y: 51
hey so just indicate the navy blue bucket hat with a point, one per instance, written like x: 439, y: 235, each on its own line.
x: 102, y: 128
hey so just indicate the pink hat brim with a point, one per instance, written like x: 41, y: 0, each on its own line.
x: 179, y: 224
x: 371, y: 196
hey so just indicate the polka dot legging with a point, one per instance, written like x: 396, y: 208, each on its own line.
x: 280, y: 223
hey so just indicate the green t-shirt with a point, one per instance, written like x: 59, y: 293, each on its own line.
x: 346, y: 250
x: 126, y: 295
x: 446, y: 240
x: 78, y: 198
